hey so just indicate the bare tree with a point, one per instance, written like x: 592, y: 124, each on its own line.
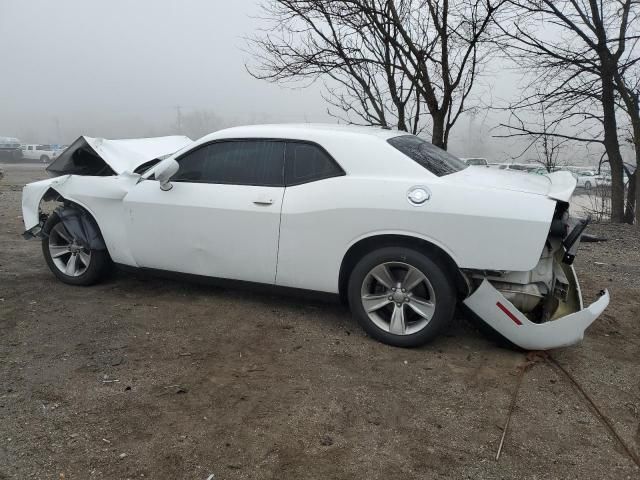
x: 574, y: 49
x: 627, y: 80
x: 384, y: 62
x: 542, y: 135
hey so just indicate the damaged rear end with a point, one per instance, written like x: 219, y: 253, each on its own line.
x: 542, y: 308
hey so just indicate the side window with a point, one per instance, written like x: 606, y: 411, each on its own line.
x: 244, y: 162
x: 306, y: 162
x: 192, y: 166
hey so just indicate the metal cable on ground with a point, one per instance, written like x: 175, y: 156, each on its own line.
x: 532, y: 359
x: 632, y: 455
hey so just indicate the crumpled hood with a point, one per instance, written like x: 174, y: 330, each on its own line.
x: 557, y: 185
x: 119, y: 155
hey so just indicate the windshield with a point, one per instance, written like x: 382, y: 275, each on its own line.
x: 437, y: 161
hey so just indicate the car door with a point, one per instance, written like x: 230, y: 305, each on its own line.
x: 221, y: 218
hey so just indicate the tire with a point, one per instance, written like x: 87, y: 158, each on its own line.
x: 89, y: 267
x: 44, y: 159
x: 587, y: 186
x: 400, y: 318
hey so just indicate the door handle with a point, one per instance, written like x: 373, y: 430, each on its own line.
x: 264, y: 201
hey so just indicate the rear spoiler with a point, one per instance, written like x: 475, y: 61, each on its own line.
x: 562, y: 185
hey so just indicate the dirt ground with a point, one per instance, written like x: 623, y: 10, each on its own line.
x: 141, y: 377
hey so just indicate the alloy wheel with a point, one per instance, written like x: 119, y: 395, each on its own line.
x: 68, y: 256
x: 398, y: 298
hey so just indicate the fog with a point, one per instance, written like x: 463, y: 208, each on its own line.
x: 121, y: 69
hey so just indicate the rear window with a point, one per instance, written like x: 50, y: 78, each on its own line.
x: 437, y: 161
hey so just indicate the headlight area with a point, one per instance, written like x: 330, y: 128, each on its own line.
x: 541, y: 308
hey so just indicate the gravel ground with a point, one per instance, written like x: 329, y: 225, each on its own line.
x: 141, y: 377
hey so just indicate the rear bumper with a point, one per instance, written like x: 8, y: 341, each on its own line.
x: 494, y: 309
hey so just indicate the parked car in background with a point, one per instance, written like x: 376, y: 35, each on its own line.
x: 536, y: 169
x: 514, y: 166
x: 605, y: 178
x: 10, y: 149
x: 475, y: 161
x: 398, y: 228
x: 588, y: 179
x: 523, y: 167
x: 43, y: 153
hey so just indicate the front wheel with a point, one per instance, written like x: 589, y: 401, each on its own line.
x: 69, y: 261
x: 44, y: 159
x: 401, y: 297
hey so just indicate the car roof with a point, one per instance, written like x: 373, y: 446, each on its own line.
x: 375, y: 156
x: 300, y: 130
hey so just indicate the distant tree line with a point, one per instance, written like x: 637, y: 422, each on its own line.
x: 413, y: 65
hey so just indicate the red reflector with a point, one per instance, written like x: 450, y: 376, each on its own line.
x: 508, y: 313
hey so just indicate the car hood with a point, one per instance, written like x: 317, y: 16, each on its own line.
x: 557, y: 185
x: 119, y: 155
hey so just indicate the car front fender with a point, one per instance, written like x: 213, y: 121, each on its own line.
x: 32, y: 194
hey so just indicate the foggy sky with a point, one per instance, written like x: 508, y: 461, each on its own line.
x: 119, y: 68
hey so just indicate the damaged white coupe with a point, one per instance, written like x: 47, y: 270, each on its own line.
x: 401, y: 230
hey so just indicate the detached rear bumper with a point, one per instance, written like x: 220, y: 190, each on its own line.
x: 492, y: 307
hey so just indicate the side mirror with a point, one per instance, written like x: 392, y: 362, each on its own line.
x: 165, y: 170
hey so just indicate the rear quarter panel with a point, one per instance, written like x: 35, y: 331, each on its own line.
x: 479, y: 228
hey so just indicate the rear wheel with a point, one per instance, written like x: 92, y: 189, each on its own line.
x: 44, y: 159
x: 401, y: 297
x: 587, y: 185
x: 69, y: 261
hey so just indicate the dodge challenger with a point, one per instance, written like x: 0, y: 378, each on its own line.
x: 399, y: 229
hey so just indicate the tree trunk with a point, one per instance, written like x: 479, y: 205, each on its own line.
x: 402, y: 122
x: 611, y: 143
x: 633, y: 195
x: 437, y: 135
x: 636, y: 188
x: 630, y: 210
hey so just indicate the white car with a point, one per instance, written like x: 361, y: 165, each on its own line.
x: 585, y: 177
x: 43, y: 153
x: 477, y: 161
x: 398, y: 228
x: 588, y: 179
